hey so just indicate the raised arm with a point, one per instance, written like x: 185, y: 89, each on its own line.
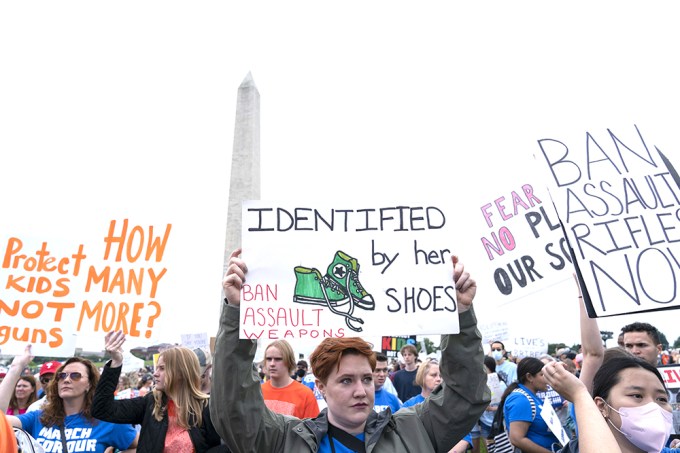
x: 9, y: 383
x: 596, y: 437
x: 591, y: 342
x: 452, y: 409
x: 105, y: 406
x: 237, y: 407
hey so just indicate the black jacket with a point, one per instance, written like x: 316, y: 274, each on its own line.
x: 139, y: 411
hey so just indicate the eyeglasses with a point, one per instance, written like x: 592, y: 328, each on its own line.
x: 496, y: 349
x: 45, y: 380
x: 75, y: 376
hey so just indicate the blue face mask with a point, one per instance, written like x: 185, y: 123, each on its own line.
x: 497, y: 355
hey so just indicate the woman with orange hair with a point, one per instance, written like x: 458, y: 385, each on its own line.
x: 174, y: 416
x: 344, y: 375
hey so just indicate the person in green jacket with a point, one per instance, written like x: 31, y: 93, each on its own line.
x: 343, y: 368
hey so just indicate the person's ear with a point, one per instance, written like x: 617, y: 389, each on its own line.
x: 602, y: 406
x: 322, y: 387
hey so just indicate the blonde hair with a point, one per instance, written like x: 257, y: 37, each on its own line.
x: 182, y: 386
x: 422, y: 371
x: 286, y: 351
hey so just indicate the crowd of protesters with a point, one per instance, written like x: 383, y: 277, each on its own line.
x: 348, y: 397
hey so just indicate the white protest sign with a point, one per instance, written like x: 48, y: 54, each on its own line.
x: 329, y: 270
x: 621, y: 211
x: 131, y: 363
x: 125, y: 394
x: 553, y: 421
x: 522, y: 241
x: 494, y: 331
x: 526, y: 346
x: 102, y: 274
x: 494, y: 384
x: 195, y: 340
x: 671, y: 375
x: 90, y: 282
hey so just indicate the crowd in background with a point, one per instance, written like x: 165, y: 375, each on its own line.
x: 347, y: 396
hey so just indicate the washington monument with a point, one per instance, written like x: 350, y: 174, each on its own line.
x: 245, y: 161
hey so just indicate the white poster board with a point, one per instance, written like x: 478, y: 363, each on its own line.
x: 324, y: 270
x: 550, y: 417
x: 619, y: 205
x: 102, y: 275
x: 195, y: 340
x: 671, y: 376
x: 522, y: 242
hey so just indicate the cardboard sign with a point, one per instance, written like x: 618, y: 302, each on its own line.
x: 620, y: 207
x: 325, y: 270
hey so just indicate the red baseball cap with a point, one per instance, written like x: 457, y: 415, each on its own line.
x: 49, y: 367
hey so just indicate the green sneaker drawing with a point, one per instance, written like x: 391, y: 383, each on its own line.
x: 312, y: 288
x: 345, y: 270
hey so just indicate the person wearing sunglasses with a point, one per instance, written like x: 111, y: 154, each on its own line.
x: 174, y: 416
x: 66, y: 413
x: 47, y: 371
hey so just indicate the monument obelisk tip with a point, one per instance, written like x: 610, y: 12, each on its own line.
x: 248, y: 81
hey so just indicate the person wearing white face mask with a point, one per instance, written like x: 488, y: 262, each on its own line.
x: 505, y: 369
x: 594, y: 355
x: 631, y: 395
x: 632, y: 398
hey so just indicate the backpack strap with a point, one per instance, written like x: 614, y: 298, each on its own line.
x: 64, y: 447
x: 345, y: 439
x: 531, y: 401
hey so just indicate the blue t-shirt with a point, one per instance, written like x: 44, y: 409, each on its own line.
x: 413, y: 401
x: 81, y: 435
x: 325, y: 445
x: 518, y: 409
x: 555, y: 398
x: 385, y: 399
x: 507, y: 371
x: 468, y: 439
